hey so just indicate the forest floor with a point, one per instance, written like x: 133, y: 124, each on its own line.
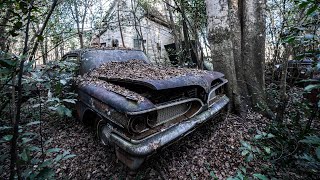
x: 212, y: 151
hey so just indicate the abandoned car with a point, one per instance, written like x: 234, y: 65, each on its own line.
x: 137, y: 107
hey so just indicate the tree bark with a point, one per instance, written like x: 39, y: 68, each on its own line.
x: 237, y: 38
x: 3, y: 33
x: 185, y: 32
x: 120, y: 27
x: 80, y: 24
x: 40, y: 33
x: 174, y: 31
x: 17, y: 117
x: 220, y: 40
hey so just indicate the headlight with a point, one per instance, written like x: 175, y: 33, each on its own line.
x: 138, y: 124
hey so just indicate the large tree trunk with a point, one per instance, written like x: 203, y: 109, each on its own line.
x: 253, y: 41
x: 220, y: 40
x: 237, y: 39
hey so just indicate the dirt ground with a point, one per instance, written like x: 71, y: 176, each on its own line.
x: 210, y: 151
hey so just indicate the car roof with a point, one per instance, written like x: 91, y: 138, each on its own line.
x: 80, y: 51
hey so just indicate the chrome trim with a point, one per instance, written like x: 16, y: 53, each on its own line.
x: 166, y: 105
x: 173, y: 117
x: 224, y: 81
x: 145, y: 147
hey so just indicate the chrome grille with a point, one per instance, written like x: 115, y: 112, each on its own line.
x: 212, y: 94
x: 169, y: 113
x: 216, y: 91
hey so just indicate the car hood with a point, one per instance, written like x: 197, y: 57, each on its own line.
x: 126, y: 104
x: 203, y: 80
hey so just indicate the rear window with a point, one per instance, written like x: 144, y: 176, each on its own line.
x: 94, y: 58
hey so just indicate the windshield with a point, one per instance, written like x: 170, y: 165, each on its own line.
x: 94, y: 58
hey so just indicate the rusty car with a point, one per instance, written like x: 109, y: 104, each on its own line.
x: 136, y: 107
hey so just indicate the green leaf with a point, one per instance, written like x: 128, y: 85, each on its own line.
x: 212, y: 174
x: 318, y: 152
x: 267, y: 149
x: 246, y: 144
x: 45, y: 173
x: 53, y: 150
x: 311, y: 87
x: 46, y: 163
x: 17, y: 25
x: 4, y: 128
x: 35, y: 161
x: 259, y: 136
x: 63, y: 111
x: 7, y: 63
x: 311, y: 140
x: 249, y: 157
x: 303, y: 4
x: 270, y: 135
x: 290, y: 39
x: 7, y: 137
x: 13, y: 33
x: 69, y: 156
x: 26, y: 140
x: 260, y: 176
x: 240, y: 175
x: 58, y: 158
x: 24, y: 155
x: 33, y: 123
x: 27, y: 173
x: 307, y: 157
x: 63, y: 81
x: 28, y: 134
x: 34, y: 148
x: 243, y: 169
x: 311, y: 10
x: 73, y: 101
x: 244, y: 152
x: 67, y: 152
x: 40, y: 37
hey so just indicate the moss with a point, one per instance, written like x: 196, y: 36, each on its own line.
x: 218, y: 35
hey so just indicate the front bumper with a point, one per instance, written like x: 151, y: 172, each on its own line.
x: 137, y: 150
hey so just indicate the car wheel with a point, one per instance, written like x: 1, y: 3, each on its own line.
x: 103, y: 131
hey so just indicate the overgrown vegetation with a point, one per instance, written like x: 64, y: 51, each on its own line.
x: 291, y: 142
x: 31, y: 29
x: 46, y: 91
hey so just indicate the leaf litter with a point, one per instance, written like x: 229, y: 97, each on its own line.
x: 131, y: 70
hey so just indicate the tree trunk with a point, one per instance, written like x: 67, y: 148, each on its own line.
x: 3, y: 33
x: 220, y: 40
x: 237, y: 38
x: 235, y: 24
x: 174, y: 32
x: 283, y: 87
x: 43, y: 52
x: 185, y: 32
x: 40, y: 33
x: 120, y: 27
x: 14, y: 166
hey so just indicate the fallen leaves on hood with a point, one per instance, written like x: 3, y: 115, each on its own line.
x: 138, y: 69
x: 131, y: 70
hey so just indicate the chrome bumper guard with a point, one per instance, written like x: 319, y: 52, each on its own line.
x: 145, y: 147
